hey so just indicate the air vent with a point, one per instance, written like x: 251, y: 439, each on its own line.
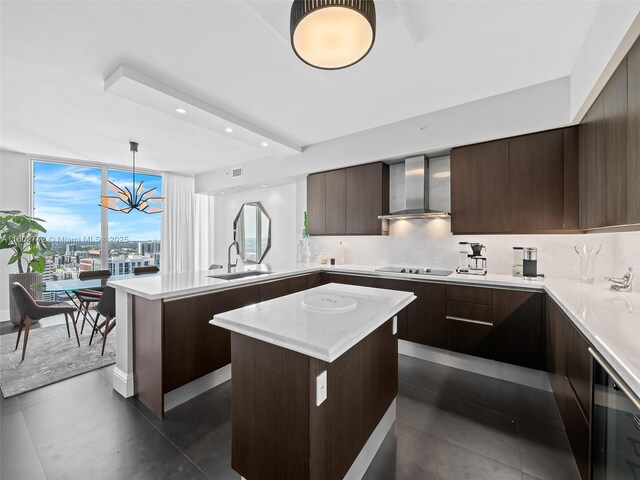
x: 236, y: 172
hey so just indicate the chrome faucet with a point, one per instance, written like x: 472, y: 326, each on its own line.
x: 229, y: 264
x: 621, y: 284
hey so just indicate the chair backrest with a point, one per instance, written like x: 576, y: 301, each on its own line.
x: 144, y: 270
x: 26, y: 305
x: 107, y: 304
x: 90, y: 274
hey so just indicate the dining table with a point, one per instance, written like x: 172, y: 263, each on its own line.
x: 69, y: 286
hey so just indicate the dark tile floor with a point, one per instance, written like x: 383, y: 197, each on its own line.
x: 451, y: 425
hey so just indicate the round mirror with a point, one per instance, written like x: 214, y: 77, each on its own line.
x: 252, y: 231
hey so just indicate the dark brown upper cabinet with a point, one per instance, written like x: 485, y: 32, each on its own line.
x: 316, y: 203
x: 336, y: 202
x: 592, y: 167
x: 610, y: 151
x: 536, y: 182
x: 348, y: 201
x: 480, y: 188
x: 524, y: 184
x: 367, y: 197
x: 614, y: 98
x: 633, y: 134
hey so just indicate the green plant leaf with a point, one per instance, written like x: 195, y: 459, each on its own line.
x: 14, y: 258
x: 37, y: 264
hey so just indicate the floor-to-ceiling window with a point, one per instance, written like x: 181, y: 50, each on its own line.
x: 134, y: 236
x: 84, y: 236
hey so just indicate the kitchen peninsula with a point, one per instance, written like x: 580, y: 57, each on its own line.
x: 170, y: 353
x: 315, y: 376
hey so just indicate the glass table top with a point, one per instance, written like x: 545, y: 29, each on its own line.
x: 74, y: 284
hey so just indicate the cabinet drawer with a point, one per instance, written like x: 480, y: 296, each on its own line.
x: 483, y: 296
x: 470, y: 311
x: 469, y: 337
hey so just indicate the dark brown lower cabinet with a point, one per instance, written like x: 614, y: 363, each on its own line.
x: 470, y: 338
x: 518, y: 328
x: 569, y: 366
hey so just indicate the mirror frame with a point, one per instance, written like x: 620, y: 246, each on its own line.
x: 261, y: 208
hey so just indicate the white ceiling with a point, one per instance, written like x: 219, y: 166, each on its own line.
x: 236, y: 55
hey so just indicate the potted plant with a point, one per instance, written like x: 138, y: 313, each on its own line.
x: 21, y: 234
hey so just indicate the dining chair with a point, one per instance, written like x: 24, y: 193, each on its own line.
x: 145, y: 270
x: 31, y: 310
x: 107, y: 308
x: 88, y: 296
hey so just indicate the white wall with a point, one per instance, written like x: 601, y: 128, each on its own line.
x: 530, y: 109
x: 15, y: 171
x: 281, y: 204
x: 615, y: 28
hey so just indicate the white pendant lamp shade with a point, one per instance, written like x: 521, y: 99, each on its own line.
x: 332, y: 34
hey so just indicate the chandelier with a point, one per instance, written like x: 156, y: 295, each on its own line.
x: 125, y: 201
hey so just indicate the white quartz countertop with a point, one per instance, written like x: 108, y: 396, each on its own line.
x: 609, y: 320
x: 289, y: 323
x: 177, y: 285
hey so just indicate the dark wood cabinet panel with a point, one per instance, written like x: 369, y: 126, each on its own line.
x: 271, y: 290
x: 555, y: 352
x: 578, y: 365
x: 359, y: 280
x: 470, y: 311
x: 577, y: 428
x: 592, y: 167
x: 348, y: 201
x: 316, y: 204
x: 459, y: 293
x: 367, y: 197
x: 336, y: 202
x: 469, y: 338
x: 633, y: 134
x: 614, y: 98
x: 296, y: 284
x: 536, y: 182
x: 571, y: 178
x: 426, y: 323
x: 480, y: 188
x: 518, y: 328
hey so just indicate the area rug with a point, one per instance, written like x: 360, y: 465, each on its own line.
x: 51, y: 357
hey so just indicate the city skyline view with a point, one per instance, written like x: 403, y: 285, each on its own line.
x: 66, y: 197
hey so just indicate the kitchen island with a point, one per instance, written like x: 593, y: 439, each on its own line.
x: 315, y: 376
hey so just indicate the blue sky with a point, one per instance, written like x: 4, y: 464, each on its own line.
x: 67, y: 197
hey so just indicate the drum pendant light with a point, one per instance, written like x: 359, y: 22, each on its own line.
x: 332, y: 34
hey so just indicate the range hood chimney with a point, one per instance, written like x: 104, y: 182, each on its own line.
x: 416, y: 187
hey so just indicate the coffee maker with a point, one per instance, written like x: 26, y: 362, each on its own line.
x: 472, y: 259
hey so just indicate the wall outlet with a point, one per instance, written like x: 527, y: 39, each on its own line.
x: 395, y: 325
x: 321, y: 388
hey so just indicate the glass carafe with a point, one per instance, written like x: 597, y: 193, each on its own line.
x: 587, y: 255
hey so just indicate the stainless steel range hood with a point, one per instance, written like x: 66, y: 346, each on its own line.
x: 416, y: 187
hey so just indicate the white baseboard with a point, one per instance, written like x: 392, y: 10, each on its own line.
x: 197, y: 387
x: 490, y: 368
x: 123, y: 383
x: 4, y: 315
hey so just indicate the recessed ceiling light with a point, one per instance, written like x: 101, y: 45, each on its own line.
x: 181, y: 111
x: 221, y: 193
x: 265, y: 144
x: 264, y: 185
x: 228, y: 130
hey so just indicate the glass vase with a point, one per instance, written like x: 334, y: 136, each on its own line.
x: 587, y: 257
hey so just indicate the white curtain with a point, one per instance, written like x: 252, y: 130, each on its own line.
x: 177, y: 247
x: 203, y: 231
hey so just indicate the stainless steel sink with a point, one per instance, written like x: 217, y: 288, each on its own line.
x: 233, y: 276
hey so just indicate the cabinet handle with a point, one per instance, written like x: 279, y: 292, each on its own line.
x: 468, y: 320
